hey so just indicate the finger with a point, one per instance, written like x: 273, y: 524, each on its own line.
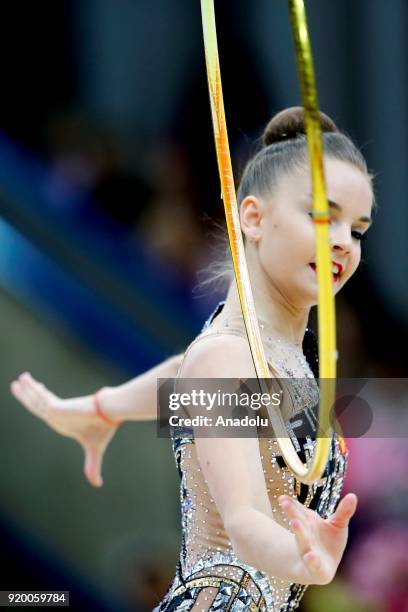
x: 43, y: 394
x: 302, y: 536
x: 27, y: 397
x: 24, y: 377
x: 345, y: 511
x: 43, y: 398
x: 38, y: 401
x: 15, y: 389
x: 312, y: 561
x: 22, y: 390
x: 93, y: 463
x: 304, y: 510
x: 28, y: 380
x: 290, y: 508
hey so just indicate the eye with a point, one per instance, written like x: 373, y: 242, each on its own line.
x: 358, y: 235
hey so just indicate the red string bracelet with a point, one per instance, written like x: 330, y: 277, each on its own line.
x: 99, y: 412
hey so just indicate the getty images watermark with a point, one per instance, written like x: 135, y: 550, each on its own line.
x: 244, y: 408
x: 220, y: 401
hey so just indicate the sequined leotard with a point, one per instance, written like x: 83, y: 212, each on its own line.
x: 209, y: 576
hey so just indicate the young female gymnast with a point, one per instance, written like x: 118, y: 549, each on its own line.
x: 253, y: 537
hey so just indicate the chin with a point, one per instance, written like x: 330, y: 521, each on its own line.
x: 307, y: 300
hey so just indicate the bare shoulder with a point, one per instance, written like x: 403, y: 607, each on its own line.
x: 219, y: 356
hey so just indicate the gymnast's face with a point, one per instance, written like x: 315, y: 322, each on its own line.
x: 281, y: 236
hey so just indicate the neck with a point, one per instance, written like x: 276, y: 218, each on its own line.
x: 279, y: 318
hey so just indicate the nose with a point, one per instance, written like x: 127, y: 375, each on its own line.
x: 340, y: 237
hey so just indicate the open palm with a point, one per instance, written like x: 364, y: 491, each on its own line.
x: 74, y: 417
x: 321, y: 542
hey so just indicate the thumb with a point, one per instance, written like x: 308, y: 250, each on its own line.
x: 93, y: 465
x: 345, y: 511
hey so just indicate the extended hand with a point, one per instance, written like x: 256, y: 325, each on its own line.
x: 321, y: 542
x: 75, y: 418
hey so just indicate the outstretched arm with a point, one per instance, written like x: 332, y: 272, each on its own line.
x: 136, y: 400
x: 76, y: 417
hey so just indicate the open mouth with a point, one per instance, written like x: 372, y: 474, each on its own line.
x: 336, y: 270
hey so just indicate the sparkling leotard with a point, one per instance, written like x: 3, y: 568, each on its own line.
x: 209, y: 576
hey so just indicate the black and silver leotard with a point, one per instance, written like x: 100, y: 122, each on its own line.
x: 209, y: 576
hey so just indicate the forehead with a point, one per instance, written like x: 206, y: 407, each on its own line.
x: 345, y: 183
x: 344, y: 180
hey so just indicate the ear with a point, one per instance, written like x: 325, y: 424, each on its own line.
x: 251, y: 213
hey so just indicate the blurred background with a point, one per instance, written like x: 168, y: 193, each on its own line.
x: 109, y: 205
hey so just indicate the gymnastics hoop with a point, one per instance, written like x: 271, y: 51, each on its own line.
x: 326, y: 310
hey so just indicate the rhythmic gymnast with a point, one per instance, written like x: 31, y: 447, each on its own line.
x: 253, y: 537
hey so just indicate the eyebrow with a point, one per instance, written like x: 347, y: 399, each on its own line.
x: 336, y: 206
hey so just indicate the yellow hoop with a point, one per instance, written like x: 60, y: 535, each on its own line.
x: 326, y: 313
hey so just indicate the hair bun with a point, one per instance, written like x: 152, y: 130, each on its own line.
x: 289, y: 123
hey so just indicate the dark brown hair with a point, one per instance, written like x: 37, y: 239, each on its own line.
x: 285, y: 149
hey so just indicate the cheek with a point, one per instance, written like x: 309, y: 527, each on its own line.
x: 354, y: 260
x: 273, y: 259
x: 303, y: 243
x: 357, y: 255
x: 287, y: 243
x: 297, y: 237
